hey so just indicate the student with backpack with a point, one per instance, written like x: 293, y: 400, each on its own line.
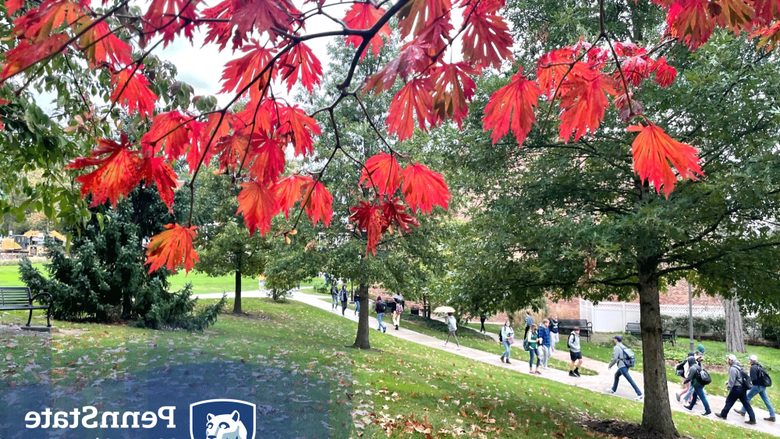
x: 380, y: 308
x: 625, y: 359
x: 334, y: 294
x: 698, y: 378
x: 574, y: 352
x: 682, y: 370
x: 554, y: 336
x: 399, y: 309
x: 544, y: 343
x: 761, y: 380
x: 506, y: 337
x: 531, y: 344
x: 738, y: 385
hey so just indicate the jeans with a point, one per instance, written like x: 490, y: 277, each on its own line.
x: 533, y: 353
x: 689, y: 393
x: 544, y: 353
x: 357, y: 307
x: 698, y: 392
x: 760, y: 390
x: 379, y: 316
x: 624, y: 371
x: 343, y: 306
x: 507, y: 348
x: 738, y: 393
x: 335, y: 302
x: 554, y: 338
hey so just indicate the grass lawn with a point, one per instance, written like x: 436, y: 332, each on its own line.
x: 714, y: 360
x: 399, y: 391
x: 201, y: 283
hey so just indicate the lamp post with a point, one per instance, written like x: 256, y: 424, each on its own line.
x: 690, y: 316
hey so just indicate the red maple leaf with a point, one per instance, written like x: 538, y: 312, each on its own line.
x: 738, y: 14
x: 263, y: 16
x: 690, y: 22
x: 767, y: 10
x: 169, y: 18
x: 131, y: 90
x: 171, y: 132
x: 172, y: 248
x: 300, y: 59
x: 205, y: 135
x: 25, y: 54
x: 664, y: 73
x: 318, y: 203
x: 552, y: 67
x: 635, y: 69
x: 383, y: 172
x: 240, y: 72
x: 289, y: 190
x: 299, y: 127
x: 417, y: 14
x: 768, y: 36
x: 583, y: 101
x: 413, y: 98
x: 117, y: 173
x: 232, y: 150
x: 370, y: 219
x: 395, y: 212
x: 267, y: 155
x: 486, y: 40
x: 653, y: 152
x: 436, y: 36
x: 453, y: 90
x: 512, y: 107
x: 13, y: 5
x: 424, y: 188
x: 363, y: 16
x: 258, y: 204
x: 156, y: 170
x: 102, y: 46
x: 219, y: 32
x: 412, y: 58
x: 38, y: 23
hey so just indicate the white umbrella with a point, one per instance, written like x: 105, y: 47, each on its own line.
x: 444, y: 310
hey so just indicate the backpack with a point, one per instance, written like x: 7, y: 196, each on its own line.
x: 680, y: 369
x: 568, y: 342
x: 629, y: 358
x: 763, y: 377
x: 747, y: 384
x: 704, y: 377
x: 380, y: 307
x: 526, y: 345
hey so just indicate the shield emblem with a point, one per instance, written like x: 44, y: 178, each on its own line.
x: 228, y: 418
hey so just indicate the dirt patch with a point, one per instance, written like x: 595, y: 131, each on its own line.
x: 621, y: 429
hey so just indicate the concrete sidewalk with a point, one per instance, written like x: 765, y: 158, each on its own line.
x: 598, y: 383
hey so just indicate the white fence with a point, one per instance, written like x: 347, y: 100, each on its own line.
x: 613, y: 316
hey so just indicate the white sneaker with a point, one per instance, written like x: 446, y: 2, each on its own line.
x: 457, y: 348
x: 609, y: 392
x: 545, y: 368
x: 445, y: 345
x: 639, y: 398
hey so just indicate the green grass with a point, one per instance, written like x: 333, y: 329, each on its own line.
x: 714, y: 360
x: 402, y: 390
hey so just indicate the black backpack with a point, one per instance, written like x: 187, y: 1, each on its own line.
x: 704, y: 377
x: 380, y: 306
x: 747, y: 384
x: 763, y: 377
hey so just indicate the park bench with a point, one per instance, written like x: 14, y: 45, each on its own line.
x: 635, y: 329
x: 21, y: 299
x: 565, y: 326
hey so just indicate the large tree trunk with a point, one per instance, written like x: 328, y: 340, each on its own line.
x: 237, y: 300
x: 361, y: 340
x: 657, y: 414
x: 735, y: 333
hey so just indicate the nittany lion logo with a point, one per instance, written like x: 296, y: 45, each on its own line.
x: 222, y: 419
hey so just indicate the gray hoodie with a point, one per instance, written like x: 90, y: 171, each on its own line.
x: 735, y: 375
x: 574, y: 343
x: 617, y: 356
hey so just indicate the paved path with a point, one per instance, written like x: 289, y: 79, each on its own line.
x: 597, y: 383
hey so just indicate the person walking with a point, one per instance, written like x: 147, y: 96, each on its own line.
x: 698, y: 356
x: 554, y: 336
x: 357, y: 302
x: 737, y: 386
x: 482, y: 319
x: 399, y: 309
x: 528, y: 322
x: 334, y: 294
x: 686, y: 368
x: 544, y: 344
x: 380, y: 307
x: 452, y: 325
x: 507, y: 337
x: 622, y: 357
x: 533, y: 348
x: 761, y: 380
x: 574, y: 352
x: 344, y: 297
x: 694, y: 378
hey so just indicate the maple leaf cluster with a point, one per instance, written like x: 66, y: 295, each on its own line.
x: 269, y: 38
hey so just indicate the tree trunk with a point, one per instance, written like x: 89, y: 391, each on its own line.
x: 237, y: 300
x: 735, y: 333
x: 657, y: 414
x: 361, y: 340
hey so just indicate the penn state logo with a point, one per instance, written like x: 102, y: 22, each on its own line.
x: 222, y: 419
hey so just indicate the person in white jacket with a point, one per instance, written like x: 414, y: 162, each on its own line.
x: 506, y: 335
x: 452, y: 326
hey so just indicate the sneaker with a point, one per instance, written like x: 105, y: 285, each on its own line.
x: 687, y: 407
x: 457, y: 348
x: 750, y: 422
x: 639, y: 398
x: 396, y: 327
x: 572, y: 374
x: 772, y: 419
x: 677, y: 395
x: 384, y: 329
x: 445, y: 344
x: 577, y: 372
x: 706, y: 413
x: 609, y: 392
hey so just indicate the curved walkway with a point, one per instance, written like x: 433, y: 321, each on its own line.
x: 597, y: 383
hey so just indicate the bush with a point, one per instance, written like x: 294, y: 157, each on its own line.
x: 714, y: 327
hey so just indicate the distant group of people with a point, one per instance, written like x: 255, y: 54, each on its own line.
x: 394, y: 305
x: 540, y: 342
x: 340, y: 295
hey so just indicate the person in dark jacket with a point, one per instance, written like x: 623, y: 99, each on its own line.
x: 357, y: 302
x: 694, y: 371
x: 758, y: 389
x: 736, y: 388
x: 482, y: 319
x: 344, y: 297
x: 380, y: 308
x: 554, y: 336
x: 544, y: 343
